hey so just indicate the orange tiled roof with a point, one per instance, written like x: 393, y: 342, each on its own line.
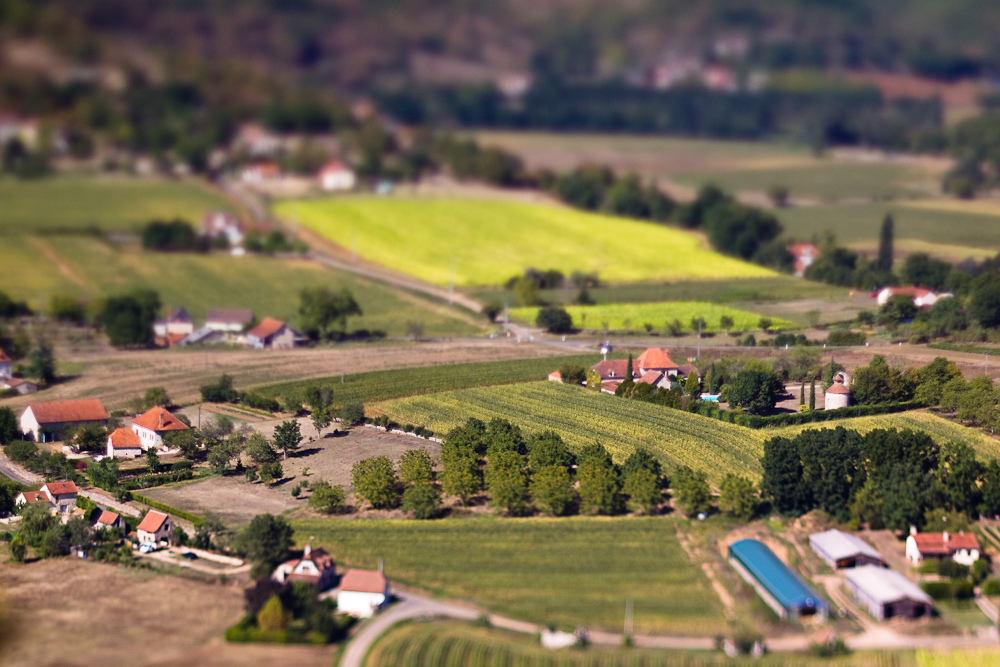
x: 268, y: 327
x: 152, y: 521
x: 933, y: 544
x: 58, y: 412
x: 656, y: 358
x: 59, y: 488
x: 125, y: 438
x: 34, y: 497
x: 157, y: 419
x: 363, y: 581
x: 107, y: 517
x: 650, y: 377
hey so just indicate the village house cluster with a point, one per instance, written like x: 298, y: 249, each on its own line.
x: 226, y: 325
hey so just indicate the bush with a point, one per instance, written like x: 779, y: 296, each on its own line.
x: 554, y: 320
x: 259, y: 402
x: 845, y: 338
x: 220, y: 392
x: 353, y: 413
x: 962, y: 590
x: 991, y: 587
x: 946, y: 567
x: 573, y: 374
x: 939, y: 590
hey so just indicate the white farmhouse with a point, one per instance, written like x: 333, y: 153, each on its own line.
x: 124, y: 443
x: 336, y: 176
x: 154, y: 528
x: 316, y: 567
x: 362, y: 593
x: 153, y: 424
x: 42, y: 421
x: 962, y: 547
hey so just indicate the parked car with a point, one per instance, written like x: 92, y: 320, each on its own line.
x: 147, y: 547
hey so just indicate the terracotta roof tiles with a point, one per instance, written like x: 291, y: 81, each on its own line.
x: 59, y: 488
x: 157, y: 419
x: 58, y: 412
x: 152, y: 521
x: 268, y: 327
x: 125, y: 438
x: 655, y: 358
x: 363, y: 581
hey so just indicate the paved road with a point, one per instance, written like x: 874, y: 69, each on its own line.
x: 8, y: 471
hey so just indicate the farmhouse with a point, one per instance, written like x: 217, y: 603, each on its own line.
x: 60, y: 496
x: 223, y: 225
x: 178, y: 323
x: 152, y: 425
x: 227, y: 320
x: 804, y: 254
x: 22, y: 387
x: 962, y: 548
x: 6, y: 367
x: 841, y: 550
x: 555, y: 376
x: 260, y: 172
x: 31, y: 497
x: 273, y: 334
x: 316, y: 568
x: 776, y: 584
x: 254, y: 139
x: 124, y: 443
x: 42, y: 421
x: 362, y: 592
x: 887, y: 593
x: 109, y: 520
x: 154, y: 528
x: 921, y: 297
x: 336, y: 176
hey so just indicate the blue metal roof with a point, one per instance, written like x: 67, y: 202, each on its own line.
x: 776, y: 577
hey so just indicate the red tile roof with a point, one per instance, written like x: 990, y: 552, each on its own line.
x: 59, y: 488
x: 34, y: 497
x: 651, y: 377
x: 655, y: 358
x: 157, y: 419
x: 58, y: 412
x: 107, y: 518
x: 838, y: 388
x: 615, y: 368
x: 912, y: 291
x: 268, y: 327
x: 125, y: 438
x: 363, y: 581
x: 4, y: 357
x: 152, y: 521
x: 933, y: 544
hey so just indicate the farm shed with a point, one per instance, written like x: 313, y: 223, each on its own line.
x: 780, y: 588
x: 840, y: 550
x: 887, y: 593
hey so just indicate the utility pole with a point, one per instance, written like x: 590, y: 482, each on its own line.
x: 628, y: 617
x: 343, y: 366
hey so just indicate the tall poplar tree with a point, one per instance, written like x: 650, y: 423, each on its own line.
x: 884, y: 262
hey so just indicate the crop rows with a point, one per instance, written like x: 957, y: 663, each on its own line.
x: 635, y: 316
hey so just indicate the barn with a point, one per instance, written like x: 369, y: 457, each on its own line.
x: 887, y: 593
x: 840, y: 550
x: 779, y: 587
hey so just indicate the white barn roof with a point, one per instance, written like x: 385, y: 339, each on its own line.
x: 839, y: 545
x: 885, y: 586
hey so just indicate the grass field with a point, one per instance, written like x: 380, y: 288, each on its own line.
x: 106, y: 203
x: 267, y: 286
x: 487, y: 242
x: 564, y: 571
x: 449, y: 644
x: 677, y: 438
x: 383, y: 385
x: 636, y: 316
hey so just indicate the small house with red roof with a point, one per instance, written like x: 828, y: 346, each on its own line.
x: 272, y: 334
x: 654, y: 366
x: 153, y: 424
x: 124, y: 443
x: 922, y: 298
x: 6, y: 367
x: 154, y: 528
x: 960, y: 547
x: 804, y: 255
x: 31, y: 497
x: 42, y: 421
x: 177, y: 322
x: 316, y: 567
x: 21, y: 386
x: 109, y: 520
x: 60, y: 496
x: 555, y: 376
x: 336, y: 176
x: 362, y: 593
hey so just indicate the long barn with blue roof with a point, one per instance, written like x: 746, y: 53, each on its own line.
x: 779, y: 587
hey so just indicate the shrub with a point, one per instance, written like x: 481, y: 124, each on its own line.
x: 353, y: 413
x: 991, y: 587
x: 962, y: 590
x: 554, y: 320
x: 845, y: 338
x: 939, y: 590
x: 259, y: 402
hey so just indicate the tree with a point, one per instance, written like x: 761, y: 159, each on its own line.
x: 460, y: 475
x: 222, y: 391
x: 222, y: 454
x: 353, y: 413
x: 273, y: 616
x: 692, y: 491
x: 327, y: 499
x: 259, y: 449
x: 628, y: 383
x: 265, y: 542
x: 599, y: 481
x: 41, y: 362
x: 782, y: 481
x: 9, y: 426
x: 128, y: 320
x: 423, y: 500
x: 156, y: 396
x: 903, y: 496
x: 736, y: 497
x: 554, y: 320
x: 178, y: 537
x: 692, y: 387
x: 152, y: 461
x: 802, y: 393
x: 923, y: 271
x: 755, y: 388
x: 883, y: 264
x: 644, y: 489
x: 573, y: 374
x: 765, y: 323
x: 415, y: 467
x: 726, y: 323
x: 866, y: 508
x: 878, y: 383
x: 374, y: 480
x: 526, y: 292
x: 984, y: 305
x: 323, y: 314
x: 18, y: 549
x: 548, y: 449
x: 507, y: 481
x: 287, y: 437
x: 812, y: 395
x: 552, y: 489
x: 271, y: 472
x: 321, y: 419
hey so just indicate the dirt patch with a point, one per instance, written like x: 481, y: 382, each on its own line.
x: 330, y: 458
x: 71, y: 612
x: 58, y: 261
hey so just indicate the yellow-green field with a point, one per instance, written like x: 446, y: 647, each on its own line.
x: 636, y: 316
x: 486, y: 242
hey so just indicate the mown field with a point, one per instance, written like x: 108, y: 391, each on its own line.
x: 564, y: 572
x: 486, y: 242
x: 450, y: 644
x: 654, y: 316
x: 677, y: 438
x: 88, y: 267
x: 383, y: 385
x: 112, y: 202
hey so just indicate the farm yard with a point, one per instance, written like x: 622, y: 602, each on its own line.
x: 542, y: 570
x: 476, y: 244
x: 654, y: 316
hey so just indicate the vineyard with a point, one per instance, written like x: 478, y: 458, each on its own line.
x: 383, y: 385
x: 563, y: 572
x: 654, y: 316
x: 444, y: 644
x: 678, y: 438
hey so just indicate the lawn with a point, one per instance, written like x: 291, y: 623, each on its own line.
x: 481, y: 242
x: 383, y: 385
x: 654, y: 316
x: 566, y: 572
x: 582, y: 417
x: 112, y: 202
x: 267, y: 286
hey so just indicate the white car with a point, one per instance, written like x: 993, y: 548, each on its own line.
x: 147, y: 547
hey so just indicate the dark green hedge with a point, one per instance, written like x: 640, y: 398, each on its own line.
x: 155, y: 504
x: 796, y: 418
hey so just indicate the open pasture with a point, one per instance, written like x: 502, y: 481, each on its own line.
x: 477, y: 242
x: 107, y: 203
x: 566, y: 572
x: 636, y: 316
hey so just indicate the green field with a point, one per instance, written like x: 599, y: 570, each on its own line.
x: 113, y: 202
x: 486, y: 242
x: 677, y: 438
x: 565, y: 572
x: 452, y: 644
x: 383, y: 385
x: 636, y: 316
x: 267, y: 286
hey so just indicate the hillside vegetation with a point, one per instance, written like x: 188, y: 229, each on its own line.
x: 482, y: 243
x: 635, y: 316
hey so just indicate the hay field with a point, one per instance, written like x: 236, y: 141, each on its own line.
x: 487, y: 242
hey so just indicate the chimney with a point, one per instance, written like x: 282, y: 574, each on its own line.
x: 946, y: 537
x: 307, y: 551
x: 913, y: 530
x: 380, y: 565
